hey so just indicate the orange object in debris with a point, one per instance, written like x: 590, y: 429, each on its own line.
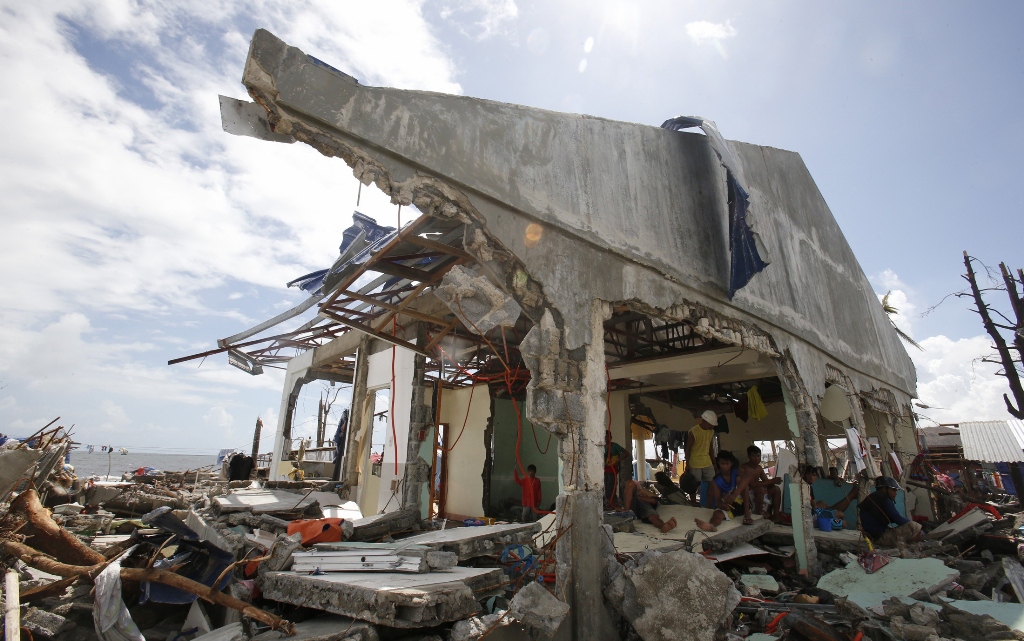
x: 317, y: 530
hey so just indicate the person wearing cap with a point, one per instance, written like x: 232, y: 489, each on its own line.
x: 881, y: 521
x: 699, y: 462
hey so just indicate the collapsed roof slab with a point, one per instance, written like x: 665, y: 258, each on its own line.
x: 625, y: 211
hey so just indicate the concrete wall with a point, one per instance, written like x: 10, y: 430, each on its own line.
x: 647, y: 204
x: 503, y: 486
x: 379, y: 375
x: 466, y: 459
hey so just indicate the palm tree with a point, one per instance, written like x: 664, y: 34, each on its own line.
x: 892, y: 311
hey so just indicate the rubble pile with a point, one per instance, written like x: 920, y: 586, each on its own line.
x: 215, y: 560
x: 186, y: 556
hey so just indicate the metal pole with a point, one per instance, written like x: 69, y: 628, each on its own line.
x: 12, y: 623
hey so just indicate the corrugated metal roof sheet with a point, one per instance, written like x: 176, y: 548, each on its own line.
x: 993, y: 441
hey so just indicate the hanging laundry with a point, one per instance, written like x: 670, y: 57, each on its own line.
x: 642, y: 425
x: 755, y: 406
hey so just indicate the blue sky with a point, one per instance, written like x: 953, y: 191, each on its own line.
x: 136, y: 231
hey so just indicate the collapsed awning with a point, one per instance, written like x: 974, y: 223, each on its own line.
x: 993, y: 441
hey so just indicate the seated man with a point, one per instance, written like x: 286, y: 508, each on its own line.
x: 810, y: 476
x: 727, y: 494
x: 644, y: 504
x: 878, y: 512
x: 760, y: 485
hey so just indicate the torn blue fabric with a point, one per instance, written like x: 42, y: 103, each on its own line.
x: 744, y: 258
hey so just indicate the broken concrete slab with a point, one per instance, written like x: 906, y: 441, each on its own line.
x: 834, y: 542
x: 723, y: 541
x: 475, y: 300
x: 396, y: 600
x: 764, y: 583
x: 214, y: 532
x: 14, y: 464
x: 330, y: 627
x: 673, y: 595
x: 45, y: 624
x: 975, y: 517
x: 901, y: 577
x: 379, y: 526
x: 471, y: 542
x: 538, y: 609
x: 262, y: 501
x: 496, y: 627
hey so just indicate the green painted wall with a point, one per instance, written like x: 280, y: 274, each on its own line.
x: 503, y: 486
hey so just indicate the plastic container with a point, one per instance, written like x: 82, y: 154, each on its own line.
x: 824, y: 523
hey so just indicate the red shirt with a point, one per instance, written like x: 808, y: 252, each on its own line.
x: 531, y: 489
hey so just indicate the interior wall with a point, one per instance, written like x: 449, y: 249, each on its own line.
x: 469, y: 406
x: 618, y: 417
x: 503, y: 486
x: 379, y: 368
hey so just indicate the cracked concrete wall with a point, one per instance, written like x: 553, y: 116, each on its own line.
x: 652, y: 201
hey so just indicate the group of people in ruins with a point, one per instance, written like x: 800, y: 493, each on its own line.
x: 734, y: 489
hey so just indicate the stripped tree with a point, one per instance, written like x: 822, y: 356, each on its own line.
x: 1015, y: 325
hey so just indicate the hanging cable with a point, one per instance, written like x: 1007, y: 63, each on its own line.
x: 359, y: 193
x: 391, y: 414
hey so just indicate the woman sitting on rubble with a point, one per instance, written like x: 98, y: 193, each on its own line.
x: 810, y: 476
x: 728, y: 493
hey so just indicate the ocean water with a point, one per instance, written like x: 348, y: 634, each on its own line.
x: 87, y: 464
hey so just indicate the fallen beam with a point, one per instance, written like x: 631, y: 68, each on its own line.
x: 731, y: 538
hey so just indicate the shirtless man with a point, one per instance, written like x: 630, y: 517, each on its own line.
x: 760, y: 485
x: 643, y: 504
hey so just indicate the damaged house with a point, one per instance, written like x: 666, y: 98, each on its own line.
x: 563, y: 268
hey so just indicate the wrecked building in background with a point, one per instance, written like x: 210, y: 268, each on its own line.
x: 562, y: 267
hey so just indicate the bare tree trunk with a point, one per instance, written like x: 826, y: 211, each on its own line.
x: 1018, y: 308
x: 1004, y: 352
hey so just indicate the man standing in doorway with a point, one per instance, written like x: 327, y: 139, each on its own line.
x: 699, y: 459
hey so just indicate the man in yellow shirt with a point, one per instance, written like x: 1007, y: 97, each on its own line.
x: 699, y: 460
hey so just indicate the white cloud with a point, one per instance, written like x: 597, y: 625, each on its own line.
x: 129, y: 205
x: 219, y: 417
x: 715, y: 33
x: 481, y: 19
x: 704, y: 31
x: 953, y: 381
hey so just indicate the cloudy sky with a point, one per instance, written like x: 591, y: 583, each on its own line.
x: 135, y: 231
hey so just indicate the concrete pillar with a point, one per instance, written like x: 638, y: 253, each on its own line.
x: 803, y: 425
x: 566, y: 396
x: 417, y: 469
x: 356, y: 417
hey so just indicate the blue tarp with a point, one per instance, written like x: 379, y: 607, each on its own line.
x: 745, y: 259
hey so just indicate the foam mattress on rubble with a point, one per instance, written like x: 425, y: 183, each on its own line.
x: 396, y: 600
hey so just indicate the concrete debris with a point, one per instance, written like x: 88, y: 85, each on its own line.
x: 759, y: 583
x: 473, y: 542
x: 537, y: 609
x: 475, y: 628
x: 674, y: 595
x: 400, y: 601
x: 476, y: 301
x: 329, y: 627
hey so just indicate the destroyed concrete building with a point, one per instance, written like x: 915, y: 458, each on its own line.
x: 562, y: 266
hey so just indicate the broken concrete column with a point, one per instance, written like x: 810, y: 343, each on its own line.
x: 566, y: 396
x: 475, y: 300
x: 538, y: 609
x: 417, y: 470
x: 673, y: 596
x: 356, y: 416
